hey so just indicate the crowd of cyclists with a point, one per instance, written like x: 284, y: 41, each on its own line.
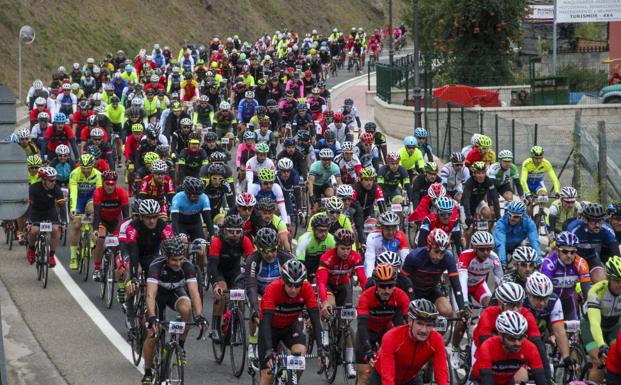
x: 234, y: 153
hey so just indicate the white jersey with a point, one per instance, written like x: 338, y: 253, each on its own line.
x: 454, y: 180
x: 276, y: 194
x: 253, y: 167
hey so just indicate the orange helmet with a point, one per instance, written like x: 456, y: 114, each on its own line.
x: 384, y: 273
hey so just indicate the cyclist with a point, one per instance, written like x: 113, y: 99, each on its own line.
x: 525, y: 261
x: 394, y: 180
x: 288, y: 178
x: 566, y: 268
x: 481, y: 152
x: 512, y: 229
x: 446, y: 218
x: 479, y: 192
x: 352, y: 211
x: 171, y: 282
x: 320, y: 175
x: 421, y: 143
x: 187, y: 209
x: 421, y: 184
x: 44, y: 197
x: 367, y: 193
x: 23, y: 135
x: 454, y: 175
x: 191, y: 159
x: 501, y: 358
x: 367, y: 152
x: 63, y: 165
x: 312, y: 244
x: 533, y: 173
x: 381, y: 306
x: 257, y: 163
x: 265, y: 217
x: 387, y: 238
x: 56, y: 134
x: 83, y: 181
x: 218, y: 190
x: 613, y: 366
x: 111, y: 206
x: 506, y: 176
x: 334, y: 283
x: 290, y: 151
x: 597, y: 241
x: 269, y: 189
x: 407, y: 348
x: 349, y: 110
x: 379, y: 138
x: 427, y: 203
x: 563, y: 210
x: 349, y: 164
x: 410, y: 157
x: 224, y: 265
x: 158, y: 186
x: 281, y: 305
x: 603, y: 321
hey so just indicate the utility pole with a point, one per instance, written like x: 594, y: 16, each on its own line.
x: 26, y: 36
x: 418, y: 122
x: 391, y: 50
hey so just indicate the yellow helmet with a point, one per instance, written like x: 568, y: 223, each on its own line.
x: 150, y: 157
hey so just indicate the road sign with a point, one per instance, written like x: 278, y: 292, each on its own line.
x: 587, y: 11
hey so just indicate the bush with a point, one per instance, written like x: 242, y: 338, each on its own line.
x: 583, y: 79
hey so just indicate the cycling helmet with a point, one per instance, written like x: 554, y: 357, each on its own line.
x: 614, y: 209
x: 568, y: 193
x: 348, y: 102
x: 23, y: 133
x: 216, y: 169
x: 344, y: 237
x: 94, y: 150
x: 524, y: 254
x: 149, y: 207
x: 423, y: 310
x: 409, y: 141
x: 478, y: 166
x: 445, y: 204
x: 174, y: 246
x: 334, y: 203
x: 510, y: 293
x: 110, y: 175
x: 159, y: 167
x: 330, y: 136
x: 150, y: 157
x: 267, y: 175
x: 338, y: 117
x: 389, y: 257
x: 431, y: 167
x: 344, y: 191
x: 368, y: 173
x: 593, y: 211
x: 567, y: 238
x: 475, y: 139
x: 97, y: 133
x: 249, y: 94
x: 436, y: 190
x: 266, y: 204
x: 536, y: 151
x: 516, y: 208
x: 162, y: 150
x: 302, y: 107
x: 151, y: 132
x: 266, y: 238
x: 92, y: 121
x: 271, y: 103
x: 261, y: 110
x: 294, y: 272
x: 47, y: 172
x: 384, y: 273
x: 37, y: 84
x: 482, y: 239
x: 388, y: 218
x: 211, y: 136
x: 289, y: 142
x: 41, y: 101
x: 193, y: 186
x: 249, y: 135
x: 136, y: 102
x: 43, y: 116
x: 87, y: 160
x: 320, y: 220
x: 245, y: 200
x: 186, y: 122
x: 136, y: 206
x: 60, y: 118
x: 366, y: 138
x: 68, y: 87
x: 114, y: 99
x: 326, y: 153
x: 511, y: 323
x: 484, y: 141
x: 225, y: 106
x: 83, y: 104
x: 218, y: 157
x: 62, y: 149
x: 370, y: 127
x: 613, y: 267
x: 393, y: 157
x: 505, y: 155
x: 421, y: 133
x: 303, y: 135
x: 232, y: 221
x: 137, y: 128
x: 457, y: 157
x: 539, y: 285
x: 438, y: 239
x: 262, y: 148
x: 315, y: 90
x: 34, y: 160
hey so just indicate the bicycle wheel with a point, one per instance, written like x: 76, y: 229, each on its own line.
x: 159, y: 366
x: 45, y: 257
x: 109, y: 283
x: 577, y: 352
x: 137, y: 338
x: 10, y: 234
x: 85, y: 256
x: 104, y: 275
x: 218, y: 347
x: 343, y: 343
x: 174, y: 365
x: 333, y: 354
x: 238, y: 346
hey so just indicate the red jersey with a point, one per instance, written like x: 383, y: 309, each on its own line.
x: 85, y: 134
x: 34, y: 114
x: 381, y: 314
x: 102, y: 165
x: 474, y: 155
x: 400, y: 358
x: 487, y: 323
x: 287, y: 309
x: 81, y: 119
x: 111, y: 204
x: 131, y: 144
x: 335, y: 271
x: 150, y: 190
x: 491, y: 356
x: 424, y: 210
x: 54, y: 138
x: 613, y: 362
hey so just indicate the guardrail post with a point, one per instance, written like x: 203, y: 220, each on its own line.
x: 3, y: 376
x: 448, y: 130
x: 369, y: 76
x: 437, y: 126
x: 536, y: 133
x: 496, y: 131
x: 462, y: 125
x: 576, y: 182
x: 481, y: 121
x: 602, y: 172
x: 513, y: 137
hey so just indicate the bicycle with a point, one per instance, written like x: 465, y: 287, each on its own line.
x: 460, y: 360
x: 168, y: 360
x: 540, y: 213
x: 232, y: 332
x: 42, y: 252
x: 201, y: 273
x: 136, y: 337
x: 561, y: 374
x: 85, y: 250
x: 63, y: 228
x: 108, y: 281
x: 10, y: 229
x: 338, y: 333
x: 287, y: 368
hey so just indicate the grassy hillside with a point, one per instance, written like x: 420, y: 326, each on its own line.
x: 72, y: 30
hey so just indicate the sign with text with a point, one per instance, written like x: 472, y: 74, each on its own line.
x: 587, y: 11
x: 541, y: 12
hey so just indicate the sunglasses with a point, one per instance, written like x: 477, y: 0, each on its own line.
x: 595, y: 221
x: 33, y: 168
x: 458, y: 165
x: 513, y: 339
x: 266, y: 183
x: 527, y: 264
x: 294, y: 285
x: 566, y: 251
x: 445, y: 215
x: 386, y: 286
x: 246, y: 208
x: 334, y: 212
x: 410, y: 147
x: 234, y: 231
x: 269, y: 250
x: 513, y: 216
x: 485, y: 249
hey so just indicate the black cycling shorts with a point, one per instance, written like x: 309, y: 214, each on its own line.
x: 193, y: 231
x: 342, y: 294
x: 44, y: 216
x: 360, y: 350
x: 290, y: 335
x: 169, y: 298
x: 429, y: 293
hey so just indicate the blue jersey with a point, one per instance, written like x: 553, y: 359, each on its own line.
x: 289, y: 184
x: 188, y: 211
x: 603, y: 244
x: 424, y: 273
x: 267, y: 273
x: 245, y: 110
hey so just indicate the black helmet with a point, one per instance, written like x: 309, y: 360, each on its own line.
x: 370, y: 127
x: 162, y: 150
x: 266, y: 204
x: 233, y: 221
x: 303, y: 135
x: 330, y: 135
x: 151, y: 133
x: 271, y: 103
x: 216, y: 169
x: 594, y: 211
x: 267, y: 238
x: 294, y: 272
x: 211, y: 136
x: 174, y: 246
x: 193, y: 186
x: 261, y: 110
x: 320, y: 220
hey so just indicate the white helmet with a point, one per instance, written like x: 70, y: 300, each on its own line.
x: 40, y: 101
x: 482, y: 238
x: 62, y: 149
x: 37, y: 84
x: 475, y: 139
x: 348, y: 146
x: 137, y: 102
x: 249, y: 94
x: 539, y: 285
x: 23, y: 133
x: 149, y: 207
x: 97, y: 133
x: 96, y: 96
x: 344, y: 191
x: 510, y: 293
x: 511, y: 323
x: 334, y: 203
x: 285, y: 164
x: 225, y: 106
x: 76, y: 66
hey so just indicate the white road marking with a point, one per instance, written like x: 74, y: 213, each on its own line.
x: 95, y: 315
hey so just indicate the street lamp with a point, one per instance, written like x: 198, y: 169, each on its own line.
x: 26, y: 36
x: 391, y: 50
x: 418, y: 121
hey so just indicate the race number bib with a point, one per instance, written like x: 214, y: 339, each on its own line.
x: 296, y: 362
x: 45, y: 227
x: 176, y: 327
x: 237, y: 295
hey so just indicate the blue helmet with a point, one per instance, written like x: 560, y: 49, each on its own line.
x: 445, y: 204
x: 60, y: 118
x: 409, y: 141
x: 420, y: 133
x: 516, y: 208
x: 249, y: 135
x: 567, y: 238
x: 289, y: 142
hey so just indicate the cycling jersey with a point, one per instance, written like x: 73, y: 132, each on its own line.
x: 81, y: 188
x: 564, y: 277
x: 613, y: 362
x: 380, y: 315
x: 259, y: 274
x: 376, y: 244
x: 476, y: 271
x: 322, y: 174
x: 558, y: 219
x: 595, y: 248
x: 494, y: 365
x: 551, y: 314
x: 190, y: 162
x: 53, y: 137
x: 334, y: 271
x: 475, y: 193
x: 475, y: 155
x: 253, y: 167
x: 189, y: 211
x: 275, y: 193
x: 391, y: 180
x: 162, y: 193
x: 109, y: 207
x: 420, y: 186
x: 432, y: 221
x: 43, y: 202
x: 532, y: 176
x: 350, y: 169
x: 411, y: 162
x: 224, y: 261
x: 368, y: 158
x: 368, y: 197
x: 168, y: 279
x: 487, y: 324
x: 285, y: 309
x: 502, y: 178
x: 508, y: 236
x: 143, y: 244
x: 310, y: 250
x: 603, y: 311
x: 63, y: 170
x: 400, y: 358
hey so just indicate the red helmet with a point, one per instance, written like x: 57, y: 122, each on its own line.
x: 436, y: 190
x: 246, y: 200
x: 438, y: 239
x: 366, y: 137
x: 328, y: 114
x: 308, y: 73
x: 393, y: 157
x: 338, y: 117
x: 110, y: 177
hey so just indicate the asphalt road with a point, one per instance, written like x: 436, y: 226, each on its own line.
x: 77, y: 332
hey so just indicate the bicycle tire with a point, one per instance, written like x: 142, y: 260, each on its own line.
x: 218, y: 348
x: 237, y: 340
x: 333, y: 354
x: 45, y: 262
x: 174, y: 371
x: 104, y: 275
x: 10, y: 236
x: 85, y: 258
x: 109, y: 284
x: 343, y: 342
x: 159, y: 368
